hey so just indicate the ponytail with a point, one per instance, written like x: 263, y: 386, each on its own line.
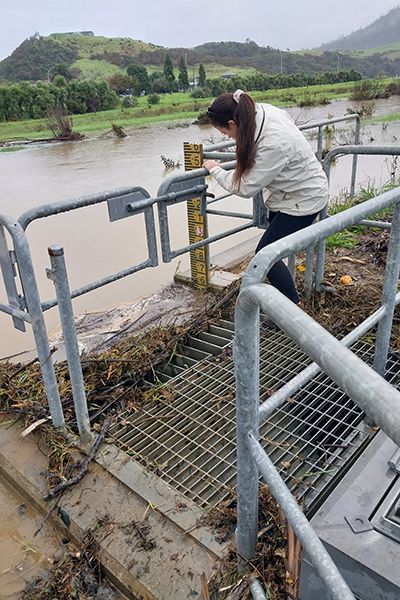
x: 240, y: 108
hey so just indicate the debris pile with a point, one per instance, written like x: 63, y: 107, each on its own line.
x: 116, y: 381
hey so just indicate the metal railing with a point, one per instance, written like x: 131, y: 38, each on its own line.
x: 327, y: 352
x: 124, y: 202
x: 28, y: 308
x: 361, y: 383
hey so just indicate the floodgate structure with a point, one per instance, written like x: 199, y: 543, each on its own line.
x: 330, y: 455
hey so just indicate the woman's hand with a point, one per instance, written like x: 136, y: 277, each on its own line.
x: 209, y: 164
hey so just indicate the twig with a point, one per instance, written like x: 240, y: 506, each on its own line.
x: 204, y: 587
x: 106, y: 406
x: 30, y: 363
x: 39, y: 529
x: 355, y: 260
x: 140, y: 532
x: 237, y: 593
x: 65, y: 484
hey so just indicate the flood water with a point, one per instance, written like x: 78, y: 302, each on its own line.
x: 94, y: 247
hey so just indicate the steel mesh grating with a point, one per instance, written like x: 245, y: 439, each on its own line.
x: 188, y: 438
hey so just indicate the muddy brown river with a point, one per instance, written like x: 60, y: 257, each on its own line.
x: 94, y: 247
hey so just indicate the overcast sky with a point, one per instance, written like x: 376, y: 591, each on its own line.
x: 293, y: 24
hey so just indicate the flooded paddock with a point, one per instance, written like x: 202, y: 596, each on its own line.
x: 94, y: 247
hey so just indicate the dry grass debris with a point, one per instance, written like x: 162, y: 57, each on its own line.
x: 116, y: 381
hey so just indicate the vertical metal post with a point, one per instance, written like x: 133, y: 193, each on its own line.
x: 320, y: 265
x: 32, y: 298
x: 324, y: 565
x: 292, y: 264
x: 247, y: 364
x: 8, y: 271
x: 59, y: 276
x: 308, y: 275
x: 388, y: 294
x: 355, y: 157
x: 319, y: 145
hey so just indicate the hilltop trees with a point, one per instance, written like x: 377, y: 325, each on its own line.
x: 33, y: 59
x: 183, y: 75
x: 202, y: 75
x: 169, y: 73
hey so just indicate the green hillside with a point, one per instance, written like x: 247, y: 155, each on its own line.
x: 392, y: 49
x: 86, y: 45
x: 383, y: 31
x: 98, y: 58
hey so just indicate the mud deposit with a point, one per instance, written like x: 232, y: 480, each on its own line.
x: 23, y: 556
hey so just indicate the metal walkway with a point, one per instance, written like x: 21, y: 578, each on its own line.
x: 187, y: 436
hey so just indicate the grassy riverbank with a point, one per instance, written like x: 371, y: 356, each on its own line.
x: 171, y: 107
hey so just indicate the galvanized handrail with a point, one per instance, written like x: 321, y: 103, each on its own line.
x: 28, y: 281
x: 321, y: 124
x: 358, y: 380
x: 290, y: 318
x: 173, y: 184
x: 134, y: 200
x: 125, y: 201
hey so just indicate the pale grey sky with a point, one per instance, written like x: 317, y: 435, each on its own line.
x: 293, y: 24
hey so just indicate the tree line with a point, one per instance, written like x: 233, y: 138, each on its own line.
x: 24, y: 100
x: 262, y: 82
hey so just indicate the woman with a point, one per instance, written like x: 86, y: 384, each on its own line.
x: 271, y: 155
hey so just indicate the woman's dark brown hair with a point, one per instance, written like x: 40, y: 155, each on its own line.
x: 243, y: 112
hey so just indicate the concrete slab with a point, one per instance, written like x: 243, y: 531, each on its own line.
x: 218, y: 279
x: 115, y: 493
x: 221, y: 275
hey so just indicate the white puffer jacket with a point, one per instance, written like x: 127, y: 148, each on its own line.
x: 285, y: 167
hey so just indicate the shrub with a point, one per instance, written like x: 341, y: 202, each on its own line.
x: 129, y: 102
x: 198, y: 93
x: 367, y: 90
x: 153, y: 99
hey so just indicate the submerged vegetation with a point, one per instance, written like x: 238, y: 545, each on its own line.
x: 171, y: 107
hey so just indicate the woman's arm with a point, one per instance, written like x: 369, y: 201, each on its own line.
x: 269, y: 162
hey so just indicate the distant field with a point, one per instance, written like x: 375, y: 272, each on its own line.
x: 98, y: 70
x: 389, y: 48
x: 170, y: 108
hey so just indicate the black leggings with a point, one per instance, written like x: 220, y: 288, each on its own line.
x: 281, y: 225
